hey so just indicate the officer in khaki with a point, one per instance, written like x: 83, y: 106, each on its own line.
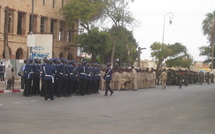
x: 114, y: 80
x: 163, y: 78
x: 119, y: 79
x: 146, y: 78
x: 128, y: 79
x: 134, y: 78
x: 102, y: 82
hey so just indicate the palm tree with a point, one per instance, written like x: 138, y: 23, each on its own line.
x: 208, y: 27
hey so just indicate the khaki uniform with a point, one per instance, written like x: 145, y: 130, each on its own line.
x: 123, y: 80
x: 139, y: 80
x: 152, y: 79
x: 113, y: 81
x: 118, y: 80
x: 134, y: 78
x: 129, y: 81
x: 142, y: 79
x: 146, y: 79
x: 102, y: 82
x: 163, y: 78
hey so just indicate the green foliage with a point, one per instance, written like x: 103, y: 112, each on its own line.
x: 179, y: 57
x: 126, y: 44
x: 208, y: 27
x: 97, y: 43
x: 160, y: 51
x: 83, y: 12
x: 176, y: 53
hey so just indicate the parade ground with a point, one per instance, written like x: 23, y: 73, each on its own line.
x: 190, y: 110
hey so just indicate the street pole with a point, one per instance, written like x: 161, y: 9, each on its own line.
x: 139, y: 51
x: 31, y: 27
x: 32, y: 18
x: 171, y: 16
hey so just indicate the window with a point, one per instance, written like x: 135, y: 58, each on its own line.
x: 52, y: 26
x: 34, y: 23
x: 42, y: 25
x: 19, y: 25
x: 11, y: 21
x: 62, y: 3
x: 44, y: 2
x: 61, y: 35
x: 69, y: 36
x: 54, y: 3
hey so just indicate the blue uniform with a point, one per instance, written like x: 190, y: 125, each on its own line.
x: 28, y: 73
x: 36, y: 78
x: 108, y: 78
x: 82, y: 79
x: 48, y: 77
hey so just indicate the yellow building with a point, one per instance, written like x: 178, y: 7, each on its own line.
x: 46, y: 19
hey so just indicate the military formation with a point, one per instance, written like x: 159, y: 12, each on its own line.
x: 185, y: 77
x: 63, y: 78
x: 60, y: 77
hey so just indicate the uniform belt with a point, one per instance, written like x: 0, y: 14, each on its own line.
x: 30, y: 74
x: 51, y: 77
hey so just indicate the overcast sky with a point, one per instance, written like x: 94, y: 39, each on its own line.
x: 186, y: 27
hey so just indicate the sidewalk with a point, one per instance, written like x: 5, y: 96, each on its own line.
x: 17, y: 87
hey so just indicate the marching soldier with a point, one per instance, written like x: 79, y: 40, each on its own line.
x: 48, y: 78
x: 163, y: 78
x: 36, y: 77
x: 207, y: 78
x: 180, y: 78
x: 108, y: 77
x: 29, y: 77
x: 97, y: 78
x: 82, y: 78
x: 212, y: 78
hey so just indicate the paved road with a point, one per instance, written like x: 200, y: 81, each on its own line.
x: 190, y: 110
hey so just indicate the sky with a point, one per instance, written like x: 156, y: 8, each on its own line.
x: 186, y: 27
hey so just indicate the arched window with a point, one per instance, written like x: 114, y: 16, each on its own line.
x: 19, y: 53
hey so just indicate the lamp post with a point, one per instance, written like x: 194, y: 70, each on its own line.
x: 139, y: 50
x: 29, y: 48
x: 171, y: 16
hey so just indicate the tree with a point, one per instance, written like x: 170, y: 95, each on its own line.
x: 160, y: 52
x: 176, y: 53
x: 86, y: 13
x: 208, y: 27
x: 83, y: 12
x: 96, y: 43
x: 126, y: 45
x: 6, y: 25
x: 116, y: 11
x: 179, y: 57
x: 206, y: 51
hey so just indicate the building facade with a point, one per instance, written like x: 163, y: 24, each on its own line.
x: 46, y: 19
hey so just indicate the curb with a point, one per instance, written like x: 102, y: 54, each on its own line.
x: 11, y: 91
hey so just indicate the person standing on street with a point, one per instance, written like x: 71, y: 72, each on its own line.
x: 21, y: 73
x: 163, y: 78
x: 134, y: 78
x: 48, y: 76
x: 2, y: 71
x: 29, y: 77
x: 9, y: 77
x: 108, y: 78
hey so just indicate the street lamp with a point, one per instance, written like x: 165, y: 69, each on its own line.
x: 139, y: 50
x: 171, y: 16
